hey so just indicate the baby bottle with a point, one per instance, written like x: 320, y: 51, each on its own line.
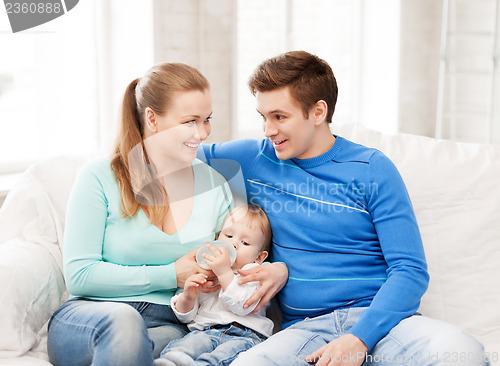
x: 217, y: 244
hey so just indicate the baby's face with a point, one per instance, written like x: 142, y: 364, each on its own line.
x: 247, y: 241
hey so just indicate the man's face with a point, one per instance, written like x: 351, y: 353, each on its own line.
x: 291, y: 134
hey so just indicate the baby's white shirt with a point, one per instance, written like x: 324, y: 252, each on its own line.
x: 225, y: 307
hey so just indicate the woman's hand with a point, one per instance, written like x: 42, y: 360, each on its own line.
x: 186, y: 266
x: 272, y: 278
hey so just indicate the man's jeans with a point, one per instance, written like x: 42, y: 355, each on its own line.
x: 416, y: 340
x: 212, y: 346
x: 84, y: 332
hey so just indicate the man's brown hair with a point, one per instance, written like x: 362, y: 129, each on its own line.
x: 309, y: 78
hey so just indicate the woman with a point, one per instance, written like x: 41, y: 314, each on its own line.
x: 133, y: 224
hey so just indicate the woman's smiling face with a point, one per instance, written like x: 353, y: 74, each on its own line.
x: 186, y: 123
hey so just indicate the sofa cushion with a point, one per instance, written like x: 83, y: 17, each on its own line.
x: 24, y: 361
x: 31, y: 229
x: 455, y: 194
x: 54, y: 176
x: 27, y: 308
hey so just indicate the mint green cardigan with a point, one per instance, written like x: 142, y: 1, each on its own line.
x: 107, y: 256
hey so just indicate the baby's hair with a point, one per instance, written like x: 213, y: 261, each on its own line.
x: 257, y: 219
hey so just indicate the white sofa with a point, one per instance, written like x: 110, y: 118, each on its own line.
x: 455, y: 188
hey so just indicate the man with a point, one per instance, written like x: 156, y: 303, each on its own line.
x: 344, y: 226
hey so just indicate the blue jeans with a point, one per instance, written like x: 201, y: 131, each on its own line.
x: 84, y: 332
x: 415, y: 341
x: 213, y: 346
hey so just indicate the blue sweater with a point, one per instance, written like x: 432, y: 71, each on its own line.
x: 344, y: 225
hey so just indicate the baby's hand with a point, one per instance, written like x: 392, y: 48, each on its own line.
x: 219, y: 262
x: 194, y: 285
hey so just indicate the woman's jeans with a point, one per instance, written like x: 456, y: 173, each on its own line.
x: 415, y: 341
x: 216, y: 346
x: 84, y: 332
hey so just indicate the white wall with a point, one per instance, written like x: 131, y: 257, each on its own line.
x: 469, y: 63
x: 418, y: 77
x: 380, y: 64
x: 214, y: 36
x: 399, y: 47
x: 200, y: 33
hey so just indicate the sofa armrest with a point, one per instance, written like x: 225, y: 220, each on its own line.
x: 32, y: 289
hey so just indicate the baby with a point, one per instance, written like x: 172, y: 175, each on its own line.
x: 220, y: 327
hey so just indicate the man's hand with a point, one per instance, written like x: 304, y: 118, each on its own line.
x: 347, y: 350
x: 272, y: 278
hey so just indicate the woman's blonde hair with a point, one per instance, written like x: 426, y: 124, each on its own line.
x: 130, y: 162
